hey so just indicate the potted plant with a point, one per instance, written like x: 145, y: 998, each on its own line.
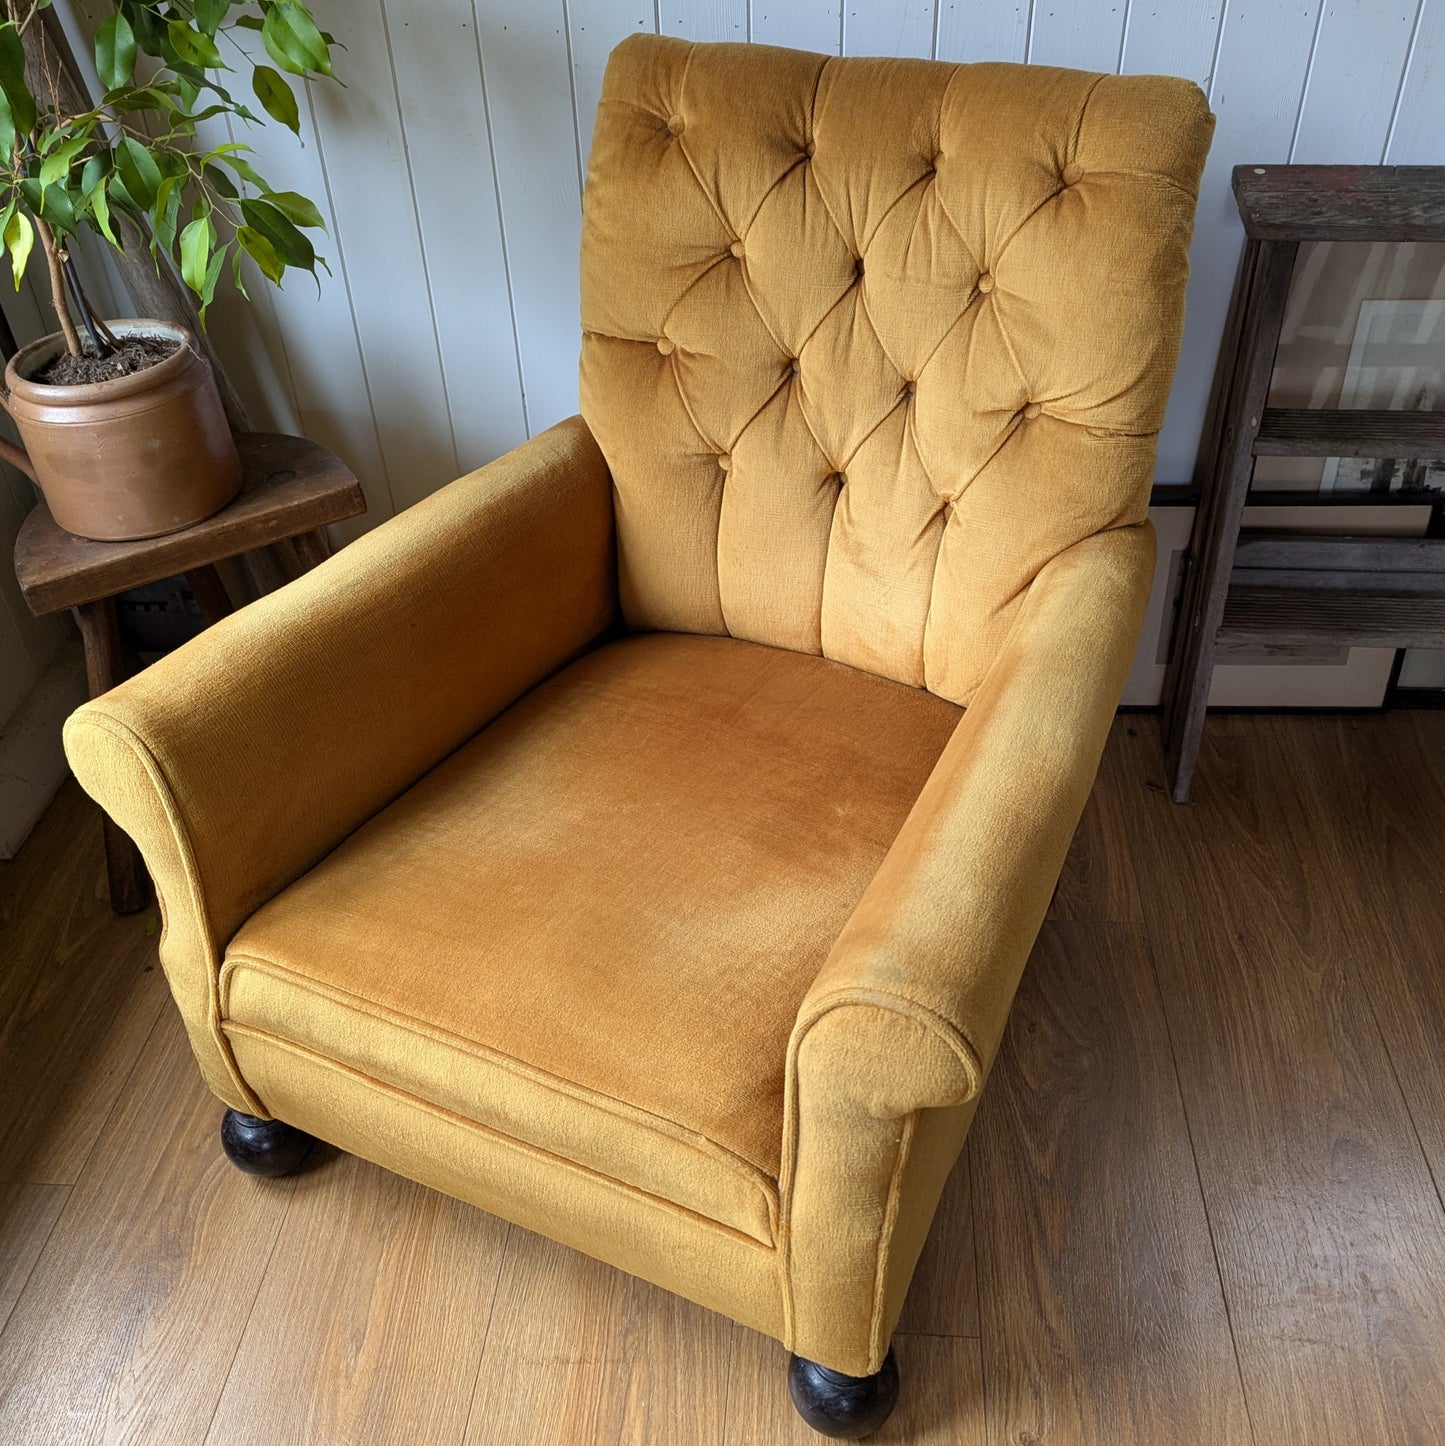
x: 122, y: 425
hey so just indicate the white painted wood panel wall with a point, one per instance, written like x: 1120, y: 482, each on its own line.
x: 450, y: 172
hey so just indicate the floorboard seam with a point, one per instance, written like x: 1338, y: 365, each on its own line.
x: 487, y: 1330
x: 1198, y: 1175
x: 255, y: 1299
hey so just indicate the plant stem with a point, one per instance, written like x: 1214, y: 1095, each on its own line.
x: 57, y: 286
x: 82, y: 302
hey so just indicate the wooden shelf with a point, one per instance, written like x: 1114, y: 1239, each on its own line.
x: 1353, y: 432
x: 1331, y: 615
x: 1285, y: 497
x: 1341, y: 203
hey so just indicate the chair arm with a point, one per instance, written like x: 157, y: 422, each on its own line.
x: 895, y: 1037
x: 239, y: 760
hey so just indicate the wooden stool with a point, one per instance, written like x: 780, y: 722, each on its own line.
x: 1297, y: 587
x: 291, y: 489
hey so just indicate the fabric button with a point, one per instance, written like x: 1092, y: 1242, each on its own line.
x: 809, y: 149
x: 985, y: 283
x: 737, y: 249
x: 1032, y: 410
x: 1073, y: 173
x: 796, y: 365
x: 675, y: 125
x: 724, y: 461
x: 664, y: 346
x: 911, y: 389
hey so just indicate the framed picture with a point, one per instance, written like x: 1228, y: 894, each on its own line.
x: 1397, y: 363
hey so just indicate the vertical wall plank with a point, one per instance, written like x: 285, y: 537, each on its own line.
x: 314, y: 343
x: 1175, y: 39
x: 1354, y: 81
x: 1259, y: 79
x: 888, y: 27
x: 593, y: 28
x: 801, y: 24
x: 1084, y: 34
x: 703, y: 19
x: 1420, y: 119
x: 439, y: 89
x: 968, y: 31
x: 362, y: 142
x: 534, y: 141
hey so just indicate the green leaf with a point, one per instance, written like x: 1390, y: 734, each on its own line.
x: 273, y: 93
x: 56, y: 165
x: 249, y: 22
x: 196, y: 242
x: 93, y: 173
x: 150, y: 29
x: 210, y: 14
x: 100, y: 207
x: 139, y: 171
x: 19, y: 238
x: 115, y: 51
x: 193, y: 46
x: 296, y: 208
x: 166, y: 215
x: 12, y: 80
x: 261, y: 251
x: 208, y: 282
x: 220, y: 182
x: 293, y: 41
x: 246, y: 171
x: 289, y: 244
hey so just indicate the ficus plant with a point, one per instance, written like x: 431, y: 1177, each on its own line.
x: 130, y: 168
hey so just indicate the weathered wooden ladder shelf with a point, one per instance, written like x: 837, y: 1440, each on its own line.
x: 1300, y: 587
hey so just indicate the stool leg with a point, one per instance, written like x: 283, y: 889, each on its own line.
x: 210, y: 593
x: 312, y: 548
x: 130, y: 885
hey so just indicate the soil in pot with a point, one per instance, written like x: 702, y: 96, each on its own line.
x: 134, y: 354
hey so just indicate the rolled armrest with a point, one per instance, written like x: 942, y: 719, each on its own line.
x: 237, y: 761
x: 895, y: 1037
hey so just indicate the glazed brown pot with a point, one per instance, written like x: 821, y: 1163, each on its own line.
x: 138, y: 456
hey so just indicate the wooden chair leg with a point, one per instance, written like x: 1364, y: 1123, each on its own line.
x: 843, y: 1407
x: 105, y: 666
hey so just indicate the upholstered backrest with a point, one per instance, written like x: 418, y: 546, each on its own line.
x: 867, y: 342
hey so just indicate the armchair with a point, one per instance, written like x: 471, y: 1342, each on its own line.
x: 642, y: 837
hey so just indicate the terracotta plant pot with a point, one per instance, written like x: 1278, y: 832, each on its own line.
x: 139, y: 456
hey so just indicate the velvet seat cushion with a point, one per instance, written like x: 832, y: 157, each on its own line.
x: 590, y: 928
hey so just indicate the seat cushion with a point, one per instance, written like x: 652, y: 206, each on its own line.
x: 591, y: 927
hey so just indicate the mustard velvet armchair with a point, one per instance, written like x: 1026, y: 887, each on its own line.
x: 642, y: 837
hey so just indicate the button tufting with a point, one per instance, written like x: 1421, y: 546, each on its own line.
x: 857, y: 268
x: 664, y: 346
x: 724, y: 461
x: 795, y: 364
x: 809, y: 149
x: 675, y: 125
x: 1032, y: 410
x: 985, y: 283
x: 1073, y: 173
x: 737, y: 249
x: 911, y: 390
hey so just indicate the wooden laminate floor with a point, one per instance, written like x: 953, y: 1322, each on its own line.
x: 1201, y: 1202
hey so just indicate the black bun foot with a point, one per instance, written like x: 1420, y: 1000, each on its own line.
x: 844, y: 1407
x: 263, y: 1147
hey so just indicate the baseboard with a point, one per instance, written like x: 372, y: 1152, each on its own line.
x: 32, y: 763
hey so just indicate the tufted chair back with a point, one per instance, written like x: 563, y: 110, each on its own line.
x: 866, y: 343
